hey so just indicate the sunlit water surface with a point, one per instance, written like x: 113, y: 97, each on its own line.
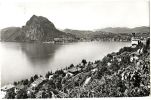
x: 22, y: 60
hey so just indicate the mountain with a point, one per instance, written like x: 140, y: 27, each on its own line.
x: 10, y: 33
x: 143, y: 29
x: 37, y: 28
x: 78, y: 33
x: 89, y: 34
x: 111, y: 34
x: 40, y: 29
x: 108, y: 31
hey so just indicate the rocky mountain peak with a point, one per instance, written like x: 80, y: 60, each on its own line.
x: 39, y: 20
x: 37, y: 28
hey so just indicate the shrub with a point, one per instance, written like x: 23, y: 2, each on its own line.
x: 48, y: 74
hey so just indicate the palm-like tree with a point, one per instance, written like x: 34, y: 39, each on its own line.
x: 84, y: 62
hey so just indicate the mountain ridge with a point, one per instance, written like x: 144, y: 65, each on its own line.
x: 37, y: 28
x: 125, y: 29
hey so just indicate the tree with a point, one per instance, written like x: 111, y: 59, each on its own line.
x: 89, y: 67
x: 48, y: 74
x: 25, y: 82
x: 51, y: 84
x: 148, y: 43
x: 125, y: 59
x: 110, y: 56
x: 77, y: 67
x: 32, y: 95
x: 71, y: 66
x: 105, y: 60
x: 43, y: 94
x: 15, y: 83
x: 31, y: 79
x: 58, y: 85
x: 126, y: 49
x: 35, y: 77
x: 101, y: 72
x: 115, y: 66
x: 84, y: 62
x: 147, y: 46
x: 60, y: 72
x: 10, y: 94
x: 22, y: 94
x: 136, y: 79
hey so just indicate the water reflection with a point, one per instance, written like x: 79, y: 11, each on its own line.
x: 22, y: 60
x: 39, y: 53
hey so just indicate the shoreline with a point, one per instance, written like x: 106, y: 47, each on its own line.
x: 87, y: 69
x: 77, y: 62
x: 64, y: 41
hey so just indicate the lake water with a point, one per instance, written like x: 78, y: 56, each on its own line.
x: 22, y: 60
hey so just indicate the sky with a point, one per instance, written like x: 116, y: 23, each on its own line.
x: 76, y: 14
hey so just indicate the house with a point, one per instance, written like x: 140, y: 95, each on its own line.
x: 74, y: 70
x: 139, y: 51
x: 134, y: 40
x: 94, y: 70
x: 3, y: 94
x: 50, y: 77
x: 7, y: 87
x: 94, y: 65
x: 119, y: 59
x: 58, y: 39
x: 4, y: 90
x: 143, y: 41
x: 37, y: 82
x: 68, y: 74
x: 87, y: 81
x: 18, y: 88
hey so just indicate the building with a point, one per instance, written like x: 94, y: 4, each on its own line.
x: 134, y: 40
x: 18, y: 88
x: 58, y: 39
x: 37, y: 82
x: 137, y: 40
x: 7, y: 87
x: 3, y: 94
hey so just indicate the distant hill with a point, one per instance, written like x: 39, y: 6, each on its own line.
x: 83, y: 33
x: 111, y: 34
x: 37, y: 28
x: 78, y: 33
x: 143, y: 29
x: 40, y: 29
x: 10, y: 33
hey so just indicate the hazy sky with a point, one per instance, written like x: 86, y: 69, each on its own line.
x: 77, y: 14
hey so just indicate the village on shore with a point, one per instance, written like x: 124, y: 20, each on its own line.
x: 125, y: 73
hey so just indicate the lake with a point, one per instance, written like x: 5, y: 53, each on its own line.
x: 22, y: 60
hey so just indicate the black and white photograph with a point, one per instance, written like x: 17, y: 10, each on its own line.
x: 74, y: 49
